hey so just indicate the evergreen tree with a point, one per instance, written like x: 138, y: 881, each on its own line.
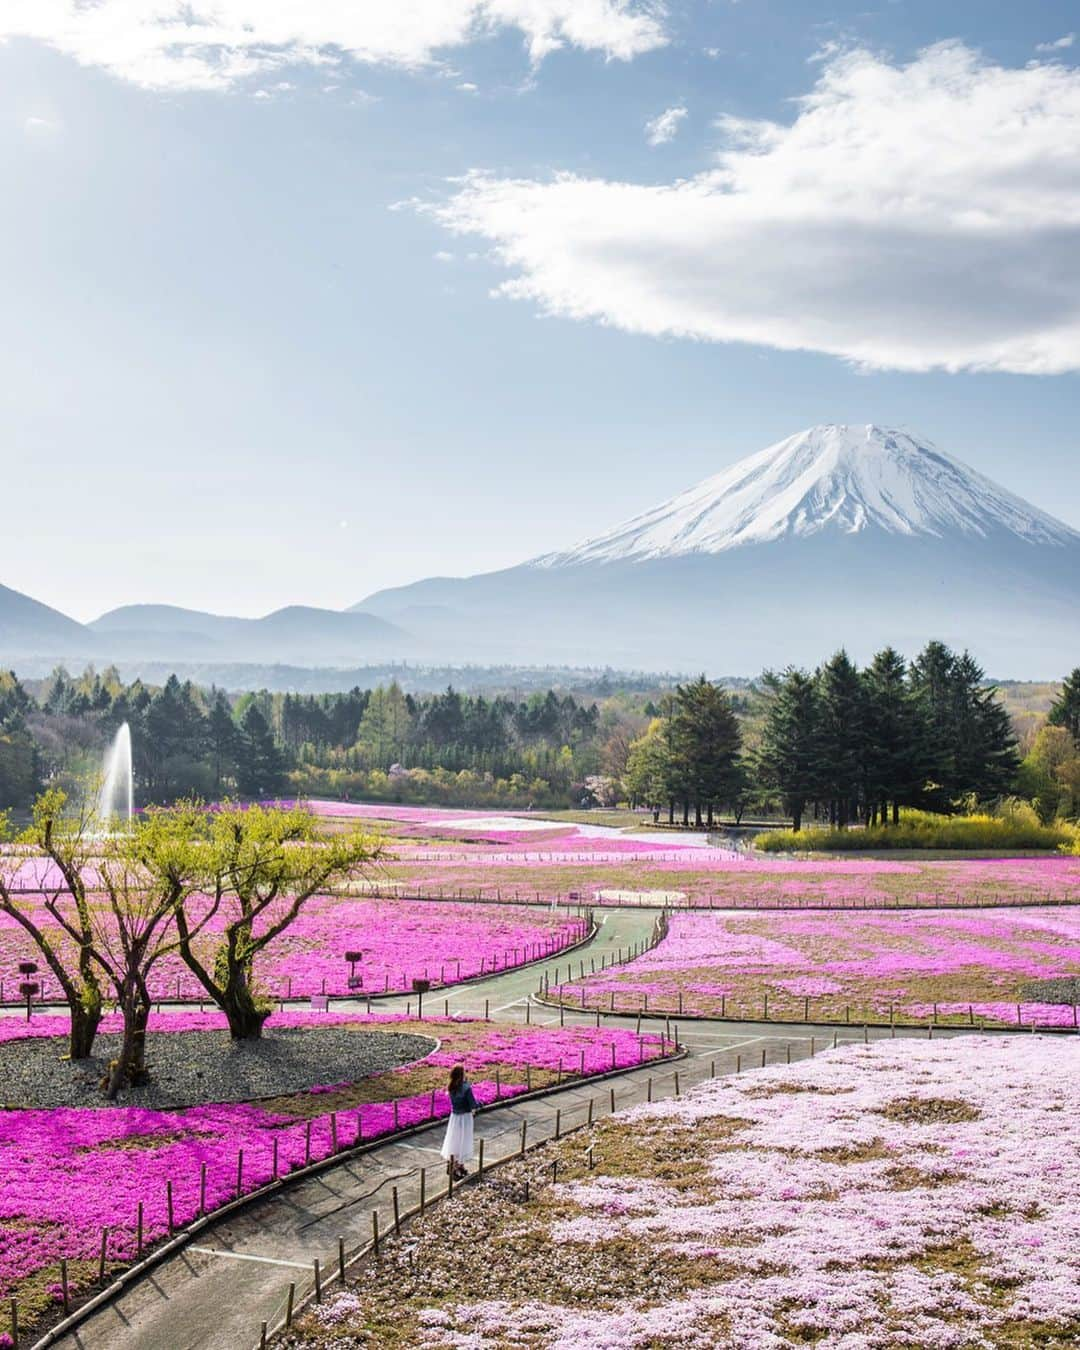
x: 706, y: 742
x: 789, y: 754
x: 842, y: 731
x: 260, y: 765
x: 1065, y: 711
x: 222, y: 740
x: 894, y: 761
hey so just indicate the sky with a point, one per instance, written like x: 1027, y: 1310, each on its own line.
x: 305, y: 298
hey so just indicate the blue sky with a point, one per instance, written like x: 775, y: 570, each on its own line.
x: 252, y: 345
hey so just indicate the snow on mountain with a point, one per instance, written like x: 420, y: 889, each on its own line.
x: 842, y: 479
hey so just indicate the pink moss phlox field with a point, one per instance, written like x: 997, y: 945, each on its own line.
x: 971, y: 964
x: 67, y: 1173
x: 854, y: 1220
x: 398, y: 940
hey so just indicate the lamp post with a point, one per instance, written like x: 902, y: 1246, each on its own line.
x: 355, y: 981
x: 28, y: 987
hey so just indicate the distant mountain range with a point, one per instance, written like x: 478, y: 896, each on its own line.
x: 297, y: 635
x: 854, y: 535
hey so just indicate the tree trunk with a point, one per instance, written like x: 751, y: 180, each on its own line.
x: 244, y: 1015
x: 686, y: 811
x: 697, y: 814
x: 84, y: 1025
x: 127, y: 1066
x: 796, y: 820
x: 671, y: 812
x: 896, y: 813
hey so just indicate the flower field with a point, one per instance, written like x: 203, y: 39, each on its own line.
x: 949, y: 965
x: 69, y: 1173
x: 900, y: 1194
x: 444, y: 852
x: 398, y: 941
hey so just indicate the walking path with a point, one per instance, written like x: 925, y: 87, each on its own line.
x: 218, y: 1290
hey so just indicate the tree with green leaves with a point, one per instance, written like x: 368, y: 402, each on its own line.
x: 1065, y: 711
x: 260, y: 765
x: 788, y: 758
x: 142, y: 875
x: 894, y: 757
x: 647, y: 776
x: 842, y: 731
x: 54, y: 855
x: 261, y: 866
x: 706, y: 742
x: 222, y: 740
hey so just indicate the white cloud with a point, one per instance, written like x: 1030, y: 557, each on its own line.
x: 909, y: 217
x: 1058, y: 45
x: 443, y: 257
x: 216, y: 44
x: 36, y: 124
x: 663, y: 128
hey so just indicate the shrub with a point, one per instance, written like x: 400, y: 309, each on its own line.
x: 1014, y: 826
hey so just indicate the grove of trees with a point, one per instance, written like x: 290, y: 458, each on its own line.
x: 844, y: 743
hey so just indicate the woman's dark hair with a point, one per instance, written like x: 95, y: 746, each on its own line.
x: 457, y: 1077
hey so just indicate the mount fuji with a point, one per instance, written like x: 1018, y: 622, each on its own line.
x: 840, y: 535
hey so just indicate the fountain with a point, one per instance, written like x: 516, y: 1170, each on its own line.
x: 116, y: 796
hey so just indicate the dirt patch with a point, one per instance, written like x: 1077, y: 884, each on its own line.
x: 929, y: 1111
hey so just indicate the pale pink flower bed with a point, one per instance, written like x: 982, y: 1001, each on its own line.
x: 912, y: 965
x: 398, y: 941
x: 896, y: 1194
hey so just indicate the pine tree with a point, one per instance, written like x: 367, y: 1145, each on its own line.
x: 789, y: 754
x: 1065, y: 711
x: 223, y: 741
x: 260, y: 765
x: 843, y: 736
x: 706, y: 740
x: 894, y: 754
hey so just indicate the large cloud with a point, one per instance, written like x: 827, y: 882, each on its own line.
x: 909, y: 217
x: 213, y: 44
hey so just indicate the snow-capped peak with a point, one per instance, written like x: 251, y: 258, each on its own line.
x: 835, y: 478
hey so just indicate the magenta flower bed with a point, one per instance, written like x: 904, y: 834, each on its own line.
x: 68, y: 1173
x: 399, y: 941
x: 715, y: 879
x: 911, y: 965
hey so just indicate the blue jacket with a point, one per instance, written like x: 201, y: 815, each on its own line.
x: 463, y: 1101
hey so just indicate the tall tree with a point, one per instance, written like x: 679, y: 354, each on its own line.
x: 894, y: 759
x: 842, y: 720
x: 1065, y: 711
x: 260, y: 765
x: 788, y: 758
x: 706, y: 741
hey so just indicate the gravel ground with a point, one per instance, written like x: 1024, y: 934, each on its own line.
x: 192, y: 1067
x: 1063, y: 989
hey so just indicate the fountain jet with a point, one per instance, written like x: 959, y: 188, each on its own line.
x: 116, y: 799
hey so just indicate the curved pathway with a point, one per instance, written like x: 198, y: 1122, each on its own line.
x: 218, y: 1289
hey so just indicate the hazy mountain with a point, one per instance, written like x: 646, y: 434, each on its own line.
x: 298, y: 634
x: 29, y: 626
x: 853, y: 535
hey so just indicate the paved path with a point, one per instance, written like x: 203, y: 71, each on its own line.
x: 217, y: 1291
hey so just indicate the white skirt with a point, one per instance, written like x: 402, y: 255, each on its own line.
x: 458, y: 1143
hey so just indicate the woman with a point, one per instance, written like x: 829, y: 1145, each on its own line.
x: 457, y: 1147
